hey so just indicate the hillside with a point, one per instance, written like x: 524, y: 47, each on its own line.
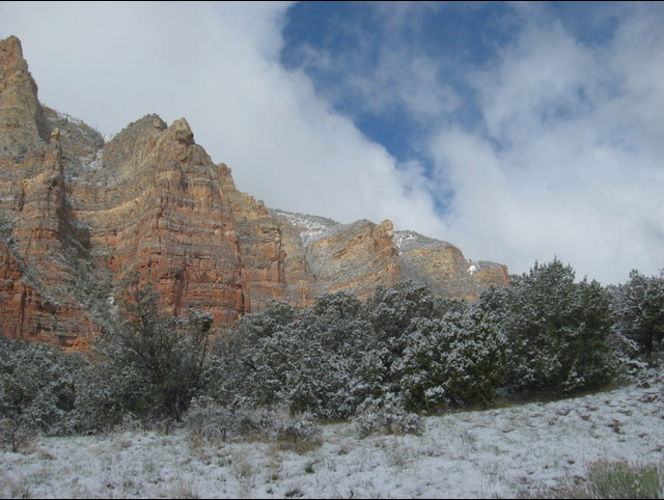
x: 504, y: 453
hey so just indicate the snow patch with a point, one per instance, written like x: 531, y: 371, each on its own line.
x: 410, y: 240
x: 310, y: 227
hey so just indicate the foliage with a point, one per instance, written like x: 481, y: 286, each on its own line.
x: 386, y: 416
x: 558, y: 331
x: 37, y: 388
x: 402, y: 351
x: 305, y: 362
x: 151, y: 366
x: 331, y: 358
x: 455, y: 360
x: 638, y: 311
x: 207, y: 421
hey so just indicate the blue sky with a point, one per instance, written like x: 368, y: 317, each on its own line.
x: 516, y: 131
x: 400, y: 71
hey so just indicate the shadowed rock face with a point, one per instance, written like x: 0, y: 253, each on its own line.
x: 78, y: 213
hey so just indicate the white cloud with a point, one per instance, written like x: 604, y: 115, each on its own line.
x: 217, y: 64
x: 384, y: 70
x: 569, y: 159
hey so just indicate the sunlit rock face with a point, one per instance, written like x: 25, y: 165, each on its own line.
x: 78, y: 213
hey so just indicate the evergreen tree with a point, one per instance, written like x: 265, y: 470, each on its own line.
x: 638, y: 311
x: 38, y: 386
x: 454, y: 360
x: 558, y: 331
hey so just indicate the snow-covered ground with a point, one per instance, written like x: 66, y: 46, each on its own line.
x: 496, y: 453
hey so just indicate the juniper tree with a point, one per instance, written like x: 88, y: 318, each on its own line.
x: 558, y: 331
x: 638, y: 311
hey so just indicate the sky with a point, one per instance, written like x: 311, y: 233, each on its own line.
x: 519, y: 132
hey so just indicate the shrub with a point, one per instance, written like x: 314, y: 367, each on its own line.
x: 299, y: 434
x: 386, y: 416
x: 558, y: 332
x: 16, y: 434
x: 305, y: 363
x: 37, y: 388
x: 330, y: 358
x: 638, y: 311
x: 210, y: 422
x: 457, y: 360
x: 240, y: 373
x: 151, y: 366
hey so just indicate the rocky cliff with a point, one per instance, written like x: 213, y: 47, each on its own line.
x: 78, y: 213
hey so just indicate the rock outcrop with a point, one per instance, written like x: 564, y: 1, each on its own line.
x: 78, y: 213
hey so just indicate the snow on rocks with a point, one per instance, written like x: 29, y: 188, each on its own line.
x: 311, y: 227
x: 408, y: 240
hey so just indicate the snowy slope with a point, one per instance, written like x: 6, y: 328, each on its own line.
x: 501, y: 452
x: 310, y: 227
x: 408, y: 240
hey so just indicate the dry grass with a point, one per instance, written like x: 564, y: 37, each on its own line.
x: 612, y: 480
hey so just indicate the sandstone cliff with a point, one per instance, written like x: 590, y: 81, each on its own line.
x: 78, y: 213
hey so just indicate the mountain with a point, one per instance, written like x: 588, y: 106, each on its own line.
x: 78, y: 213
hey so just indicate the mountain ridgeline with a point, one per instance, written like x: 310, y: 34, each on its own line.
x: 78, y: 214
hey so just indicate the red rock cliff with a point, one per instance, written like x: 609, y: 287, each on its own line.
x: 77, y: 214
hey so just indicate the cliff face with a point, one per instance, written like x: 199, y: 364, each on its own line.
x: 36, y: 235
x: 77, y: 214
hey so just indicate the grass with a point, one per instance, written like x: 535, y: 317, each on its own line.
x: 616, y: 480
x: 17, y: 489
x: 300, y: 447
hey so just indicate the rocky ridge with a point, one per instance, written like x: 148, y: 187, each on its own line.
x: 78, y: 213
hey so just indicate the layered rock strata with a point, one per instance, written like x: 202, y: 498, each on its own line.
x: 78, y: 213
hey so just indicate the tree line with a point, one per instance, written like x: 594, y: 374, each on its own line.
x: 402, y: 352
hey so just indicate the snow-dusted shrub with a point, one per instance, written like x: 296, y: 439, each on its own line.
x: 109, y: 397
x: 638, y: 312
x: 208, y: 421
x: 305, y: 363
x: 239, y: 372
x: 330, y: 358
x: 432, y: 352
x: 150, y: 366
x: 393, y: 314
x: 16, y: 435
x: 456, y: 360
x: 558, y: 332
x: 37, y: 387
x: 298, y: 433
x: 392, y: 310
x: 386, y: 415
